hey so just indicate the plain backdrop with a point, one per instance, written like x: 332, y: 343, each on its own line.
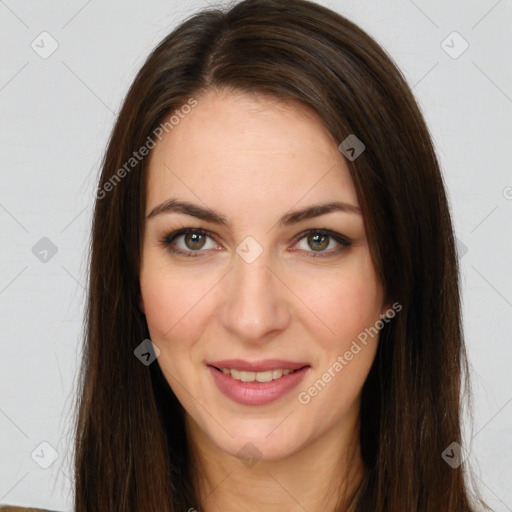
x: 57, y: 111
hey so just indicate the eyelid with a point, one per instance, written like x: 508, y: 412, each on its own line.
x: 342, y: 241
x: 168, y: 239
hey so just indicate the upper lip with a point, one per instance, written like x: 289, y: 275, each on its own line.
x: 257, y: 366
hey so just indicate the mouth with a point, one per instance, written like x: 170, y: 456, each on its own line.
x: 256, y: 383
x: 264, y: 376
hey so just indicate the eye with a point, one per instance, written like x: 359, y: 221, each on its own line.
x: 195, y: 239
x: 320, y: 239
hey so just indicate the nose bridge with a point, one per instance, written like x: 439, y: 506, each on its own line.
x: 255, y: 301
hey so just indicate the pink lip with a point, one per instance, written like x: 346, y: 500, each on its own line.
x: 257, y: 366
x: 256, y: 393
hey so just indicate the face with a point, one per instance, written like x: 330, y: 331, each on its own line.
x: 252, y: 290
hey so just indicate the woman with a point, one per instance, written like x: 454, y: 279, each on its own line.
x: 273, y: 315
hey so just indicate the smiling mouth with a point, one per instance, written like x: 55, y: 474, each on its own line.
x: 239, y: 381
x: 265, y: 376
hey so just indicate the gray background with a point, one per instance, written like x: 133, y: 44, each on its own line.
x: 56, y: 116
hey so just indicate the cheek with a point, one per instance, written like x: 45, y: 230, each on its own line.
x: 173, y: 312
x: 348, y: 303
x: 355, y: 307
x: 333, y: 389
x: 174, y: 306
x: 344, y: 303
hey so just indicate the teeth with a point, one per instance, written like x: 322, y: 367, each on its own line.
x: 277, y: 373
x: 266, y: 376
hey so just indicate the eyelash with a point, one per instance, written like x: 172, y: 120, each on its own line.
x: 167, y: 241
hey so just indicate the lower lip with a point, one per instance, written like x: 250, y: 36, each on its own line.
x: 256, y: 393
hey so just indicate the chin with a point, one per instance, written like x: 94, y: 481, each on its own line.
x: 267, y: 443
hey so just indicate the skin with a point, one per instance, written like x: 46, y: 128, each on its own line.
x: 253, y: 159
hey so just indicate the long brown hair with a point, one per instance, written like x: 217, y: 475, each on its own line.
x: 131, y: 451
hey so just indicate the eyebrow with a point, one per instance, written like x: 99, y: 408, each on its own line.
x: 177, y: 206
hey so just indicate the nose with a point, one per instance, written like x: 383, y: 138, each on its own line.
x: 255, y: 306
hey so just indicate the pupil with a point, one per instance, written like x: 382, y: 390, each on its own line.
x: 316, y: 239
x: 195, y: 239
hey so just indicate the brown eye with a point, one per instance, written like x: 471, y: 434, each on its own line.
x: 319, y: 242
x: 316, y: 241
x: 194, y: 241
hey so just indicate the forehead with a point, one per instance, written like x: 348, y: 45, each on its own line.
x: 257, y: 150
